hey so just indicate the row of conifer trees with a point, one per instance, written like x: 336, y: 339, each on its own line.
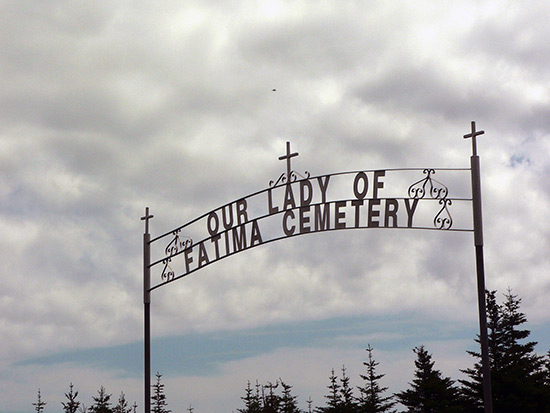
x: 520, y: 380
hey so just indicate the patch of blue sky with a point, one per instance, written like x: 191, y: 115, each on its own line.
x: 202, y: 354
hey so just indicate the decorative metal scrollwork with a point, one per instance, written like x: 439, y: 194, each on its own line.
x: 175, y: 246
x: 443, y: 219
x: 436, y: 189
x: 432, y: 188
x: 283, y: 179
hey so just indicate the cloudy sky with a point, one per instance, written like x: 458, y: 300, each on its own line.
x: 109, y: 107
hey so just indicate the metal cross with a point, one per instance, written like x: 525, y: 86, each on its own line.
x: 473, y: 135
x: 146, y: 218
x: 287, y: 157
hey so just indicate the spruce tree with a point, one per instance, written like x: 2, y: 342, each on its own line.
x: 158, y: 398
x: 102, y: 402
x: 429, y: 392
x: 271, y: 401
x: 289, y: 403
x: 334, y: 398
x: 546, y: 372
x: 347, y: 404
x: 517, y: 376
x: 72, y: 404
x: 39, y: 405
x: 309, y: 405
x: 371, y: 399
x: 251, y: 400
x: 122, y: 405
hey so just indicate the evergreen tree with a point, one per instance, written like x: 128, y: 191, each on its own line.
x: 546, y: 371
x: 271, y: 401
x: 309, y: 405
x: 251, y: 400
x: 72, y: 404
x: 158, y: 398
x: 39, y: 405
x: 102, y: 403
x: 371, y: 398
x: 348, y: 404
x: 289, y: 403
x: 472, y: 390
x: 517, y: 374
x: 429, y: 392
x: 122, y: 405
x: 334, y: 398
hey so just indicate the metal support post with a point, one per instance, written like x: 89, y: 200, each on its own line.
x: 147, y: 311
x: 480, y: 270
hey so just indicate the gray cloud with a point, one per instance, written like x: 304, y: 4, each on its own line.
x: 107, y: 109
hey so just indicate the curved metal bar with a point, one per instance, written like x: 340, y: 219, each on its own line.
x: 443, y: 219
x: 290, y: 236
x: 281, y: 181
x: 190, y: 243
x: 436, y: 189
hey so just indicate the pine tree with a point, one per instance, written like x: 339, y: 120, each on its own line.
x: 429, y: 392
x: 158, y: 399
x: 348, y: 404
x: 271, y: 401
x: 289, y: 403
x: 122, y: 405
x: 39, y: 405
x: 546, y: 372
x: 517, y: 375
x: 371, y: 398
x: 102, y: 402
x: 309, y: 405
x: 472, y: 390
x: 251, y: 400
x: 72, y: 404
x: 334, y: 398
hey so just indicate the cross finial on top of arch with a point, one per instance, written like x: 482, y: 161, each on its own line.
x: 473, y: 135
x: 146, y: 218
x: 287, y: 157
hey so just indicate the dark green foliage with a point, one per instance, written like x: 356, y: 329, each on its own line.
x: 264, y: 399
x: 517, y: 372
x: 347, y: 404
x: 334, y: 398
x: 271, y: 401
x: 39, y: 405
x: 251, y: 399
x: 429, y: 392
x: 371, y: 399
x: 158, y: 398
x: 289, y: 403
x: 102, y: 403
x: 72, y: 404
x: 309, y: 405
x: 122, y: 405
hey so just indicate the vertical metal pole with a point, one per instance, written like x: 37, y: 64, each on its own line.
x: 480, y: 270
x: 147, y: 313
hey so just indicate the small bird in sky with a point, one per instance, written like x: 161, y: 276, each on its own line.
x: 274, y: 90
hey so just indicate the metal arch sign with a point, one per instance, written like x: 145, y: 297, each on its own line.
x: 299, y: 204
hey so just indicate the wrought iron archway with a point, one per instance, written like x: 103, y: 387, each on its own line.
x: 302, y: 204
